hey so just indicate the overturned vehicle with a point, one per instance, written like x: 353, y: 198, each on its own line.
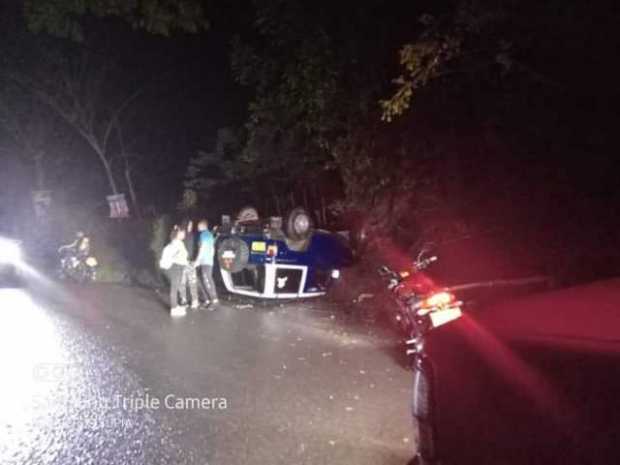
x: 269, y: 259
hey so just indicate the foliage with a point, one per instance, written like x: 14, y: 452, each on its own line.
x: 36, y: 134
x: 62, y: 17
x: 295, y: 81
x: 481, y: 88
x: 314, y: 94
x: 446, y: 46
x: 209, y: 170
x: 83, y: 85
x: 486, y: 41
x: 160, y: 232
x: 423, y: 62
x: 113, y: 267
x: 211, y: 175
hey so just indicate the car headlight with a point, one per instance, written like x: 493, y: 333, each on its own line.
x: 10, y: 252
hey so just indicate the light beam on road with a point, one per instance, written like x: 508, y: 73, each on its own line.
x: 28, y: 340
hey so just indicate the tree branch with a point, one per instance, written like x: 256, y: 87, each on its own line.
x: 116, y: 114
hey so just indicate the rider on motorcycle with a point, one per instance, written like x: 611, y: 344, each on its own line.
x: 83, y: 247
x: 75, y: 258
x: 73, y: 246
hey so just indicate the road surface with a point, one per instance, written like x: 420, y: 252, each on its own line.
x: 102, y: 375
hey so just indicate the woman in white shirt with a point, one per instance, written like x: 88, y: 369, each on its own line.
x: 174, y: 260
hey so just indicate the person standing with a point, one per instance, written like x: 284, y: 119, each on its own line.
x: 190, y: 277
x: 204, y: 259
x: 173, y: 261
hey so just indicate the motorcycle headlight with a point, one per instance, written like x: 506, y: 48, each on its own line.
x: 91, y: 261
x: 10, y: 251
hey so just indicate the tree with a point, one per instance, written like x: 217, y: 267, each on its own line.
x: 492, y: 42
x: 317, y: 72
x: 35, y: 131
x: 75, y: 81
x: 81, y: 88
x: 62, y: 17
x: 127, y: 156
x: 211, y: 172
x: 288, y: 130
x: 516, y: 90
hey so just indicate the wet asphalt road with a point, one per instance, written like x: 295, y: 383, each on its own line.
x: 102, y: 375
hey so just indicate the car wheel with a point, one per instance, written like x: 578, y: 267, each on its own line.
x: 247, y: 215
x: 240, y: 254
x: 299, y: 224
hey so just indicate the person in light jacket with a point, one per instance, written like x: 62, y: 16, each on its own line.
x: 174, y: 260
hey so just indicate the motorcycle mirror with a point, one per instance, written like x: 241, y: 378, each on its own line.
x: 424, y: 250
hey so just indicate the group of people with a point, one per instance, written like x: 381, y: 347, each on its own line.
x: 182, y: 264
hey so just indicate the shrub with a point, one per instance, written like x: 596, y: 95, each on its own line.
x: 113, y: 267
x: 159, y: 237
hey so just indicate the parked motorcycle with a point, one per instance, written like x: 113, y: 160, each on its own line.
x: 76, y: 261
x: 421, y: 306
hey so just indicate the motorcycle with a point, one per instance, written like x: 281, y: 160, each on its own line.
x: 77, y: 263
x: 421, y: 306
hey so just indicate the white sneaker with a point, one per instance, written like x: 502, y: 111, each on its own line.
x: 195, y: 306
x: 178, y: 311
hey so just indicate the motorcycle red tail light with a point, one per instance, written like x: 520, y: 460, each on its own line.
x: 439, y: 299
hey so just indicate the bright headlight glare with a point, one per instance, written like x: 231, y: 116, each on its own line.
x: 10, y: 252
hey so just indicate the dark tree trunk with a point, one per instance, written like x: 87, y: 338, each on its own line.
x: 132, y: 191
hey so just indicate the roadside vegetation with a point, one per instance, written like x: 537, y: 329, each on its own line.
x: 404, y: 123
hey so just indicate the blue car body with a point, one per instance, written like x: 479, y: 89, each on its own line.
x: 278, y: 268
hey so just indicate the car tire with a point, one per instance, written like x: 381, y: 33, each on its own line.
x: 247, y: 214
x: 239, y: 248
x: 299, y: 225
